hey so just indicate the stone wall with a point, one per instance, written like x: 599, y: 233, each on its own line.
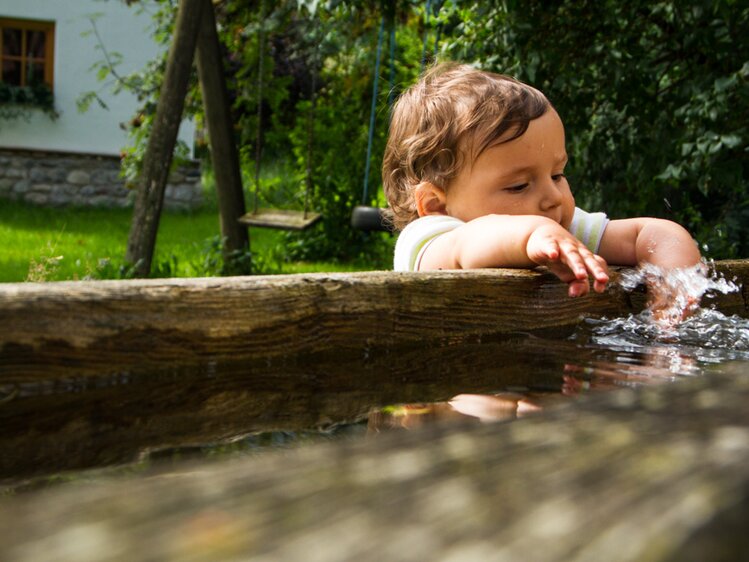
x: 61, y: 179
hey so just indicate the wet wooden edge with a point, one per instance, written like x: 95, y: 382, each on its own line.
x: 654, y: 473
x: 46, y: 328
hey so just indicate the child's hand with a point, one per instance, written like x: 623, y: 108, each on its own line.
x: 568, y: 258
x: 669, y: 310
x: 670, y: 297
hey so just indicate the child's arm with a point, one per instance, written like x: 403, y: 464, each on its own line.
x: 518, y: 241
x: 661, y: 242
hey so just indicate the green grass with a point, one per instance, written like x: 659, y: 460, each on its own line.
x: 55, y: 244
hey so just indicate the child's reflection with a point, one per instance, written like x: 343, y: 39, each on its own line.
x: 492, y: 407
x: 481, y: 407
x: 658, y: 364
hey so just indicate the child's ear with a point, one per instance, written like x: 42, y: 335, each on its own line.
x: 430, y: 199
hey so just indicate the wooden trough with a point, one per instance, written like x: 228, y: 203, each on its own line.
x: 93, y: 373
x: 59, y: 330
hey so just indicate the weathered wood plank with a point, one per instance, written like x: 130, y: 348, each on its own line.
x: 85, y: 327
x: 655, y: 473
x: 280, y: 218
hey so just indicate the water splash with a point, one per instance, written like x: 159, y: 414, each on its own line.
x: 695, y: 280
x: 704, y: 334
x: 675, y: 294
x: 708, y: 335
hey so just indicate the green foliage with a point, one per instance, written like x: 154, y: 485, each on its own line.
x: 70, y: 243
x: 316, y: 91
x: 654, y: 96
x: 209, y: 259
x: 20, y: 101
x: 107, y: 268
x: 215, y: 261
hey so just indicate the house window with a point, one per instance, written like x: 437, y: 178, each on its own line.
x: 26, y: 52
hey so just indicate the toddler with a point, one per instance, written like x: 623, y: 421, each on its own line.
x: 474, y: 176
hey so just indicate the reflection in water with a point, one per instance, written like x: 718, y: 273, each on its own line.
x: 673, y: 337
x: 481, y: 407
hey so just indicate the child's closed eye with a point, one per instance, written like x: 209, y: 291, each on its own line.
x: 516, y: 188
x: 558, y: 177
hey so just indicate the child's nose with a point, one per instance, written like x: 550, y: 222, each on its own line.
x: 552, y: 195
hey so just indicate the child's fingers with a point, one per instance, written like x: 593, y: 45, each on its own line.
x: 572, y: 262
x: 599, y: 270
x: 552, y: 250
x: 599, y: 286
x: 583, y: 263
x: 578, y: 287
x: 572, y: 258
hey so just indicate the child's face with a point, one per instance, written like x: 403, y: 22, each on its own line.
x: 522, y: 177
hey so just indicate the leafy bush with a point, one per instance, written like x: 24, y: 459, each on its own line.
x: 654, y: 96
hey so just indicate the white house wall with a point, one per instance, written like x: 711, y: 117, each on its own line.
x: 124, y: 30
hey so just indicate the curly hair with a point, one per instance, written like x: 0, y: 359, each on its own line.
x: 450, y: 117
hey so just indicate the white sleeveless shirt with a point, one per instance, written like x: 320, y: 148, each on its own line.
x: 414, y: 239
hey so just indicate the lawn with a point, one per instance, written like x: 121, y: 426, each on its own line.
x: 55, y: 244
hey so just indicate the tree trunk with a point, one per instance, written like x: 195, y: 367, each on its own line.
x: 158, y: 158
x: 221, y: 135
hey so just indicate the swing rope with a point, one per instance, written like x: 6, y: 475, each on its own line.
x: 258, y: 138
x: 373, y: 111
x: 391, y: 93
x: 281, y: 218
x: 427, y: 10
x: 310, y: 130
x: 372, y: 218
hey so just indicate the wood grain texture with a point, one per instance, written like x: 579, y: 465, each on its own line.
x: 655, y: 473
x: 48, y: 329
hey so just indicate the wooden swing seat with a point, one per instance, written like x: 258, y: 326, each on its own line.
x: 280, y: 218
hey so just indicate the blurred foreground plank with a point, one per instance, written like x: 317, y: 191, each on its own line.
x: 654, y: 473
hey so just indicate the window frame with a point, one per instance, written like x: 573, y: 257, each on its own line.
x: 48, y: 27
